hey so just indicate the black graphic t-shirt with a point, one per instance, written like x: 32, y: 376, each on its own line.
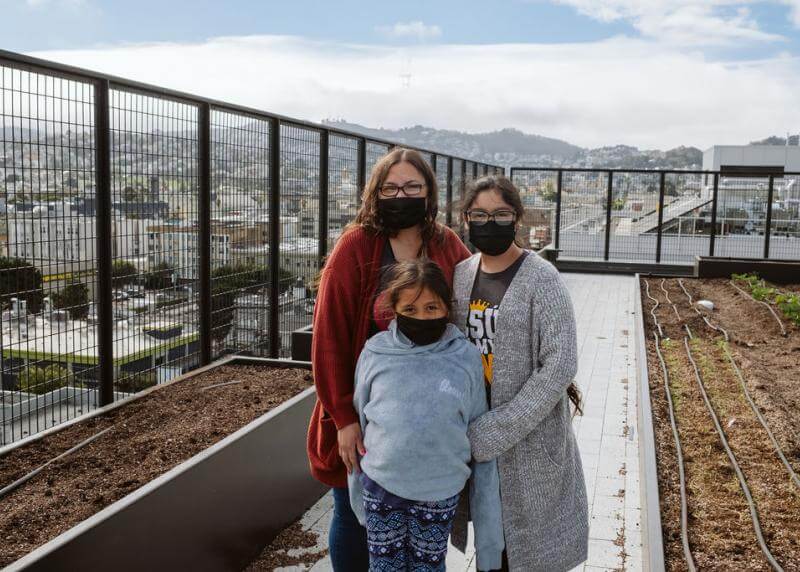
x: 484, y: 303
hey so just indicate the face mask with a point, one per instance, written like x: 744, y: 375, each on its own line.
x: 492, y: 238
x: 421, y: 332
x: 399, y: 213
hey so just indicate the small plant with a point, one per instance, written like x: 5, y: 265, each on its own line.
x: 788, y: 303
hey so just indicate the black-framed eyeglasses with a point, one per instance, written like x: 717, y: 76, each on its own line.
x: 410, y: 189
x: 503, y: 218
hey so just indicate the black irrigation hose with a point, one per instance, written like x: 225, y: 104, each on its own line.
x: 792, y: 474
x: 763, y: 421
x: 699, y: 313
x: 784, y: 333
x: 666, y: 295
x: 653, y: 309
x: 219, y: 385
x: 687, y: 552
x: 734, y: 463
x: 22, y: 480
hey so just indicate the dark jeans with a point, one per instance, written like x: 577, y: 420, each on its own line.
x: 347, y: 539
x: 504, y: 567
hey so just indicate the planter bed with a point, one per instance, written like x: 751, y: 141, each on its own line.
x: 185, y: 478
x: 721, y: 532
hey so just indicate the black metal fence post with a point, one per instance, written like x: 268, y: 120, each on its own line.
x: 104, y: 296
x: 204, y: 229
x: 449, y: 201
x: 713, y: 215
x: 768, y: 222
x: 362, y: 167
x: 324, y: 181
x: 608, y: 214
x: 661, y: 187
x: 559, y: 184
x: 274, y: 236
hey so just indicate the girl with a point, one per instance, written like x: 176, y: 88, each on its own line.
x: 396, y: 221
x: 418, y: 386
x: 514, y: 307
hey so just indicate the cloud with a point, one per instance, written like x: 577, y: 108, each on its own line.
x: 71, y: 4
x: 417, y: 30
x: 614, y: 91
x: 684, y: 22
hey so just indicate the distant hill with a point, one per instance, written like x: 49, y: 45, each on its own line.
x: 774, y: 140
x: 508, y: 147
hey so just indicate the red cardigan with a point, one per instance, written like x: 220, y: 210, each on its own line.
x: 341, y: 323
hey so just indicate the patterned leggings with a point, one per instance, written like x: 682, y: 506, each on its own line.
x: 411, y: 536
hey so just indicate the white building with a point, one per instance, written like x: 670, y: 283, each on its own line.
x: 720, y: 156
x: 180, y: 249
x: 43, y: 239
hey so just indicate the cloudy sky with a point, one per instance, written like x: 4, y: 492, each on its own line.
x: 650, y: 73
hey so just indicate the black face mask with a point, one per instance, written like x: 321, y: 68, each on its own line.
x: 399, y: 213
x: 422, y: 332
x: 492, y: 238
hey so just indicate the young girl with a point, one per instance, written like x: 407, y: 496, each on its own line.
x: 418, y: 386
x: 514, y: 307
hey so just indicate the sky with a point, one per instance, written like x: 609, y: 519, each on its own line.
x: 649, y: 73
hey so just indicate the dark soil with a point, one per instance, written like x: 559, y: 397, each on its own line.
x: 721, y: 534
x: 277, y: 553
x: 151, y: 435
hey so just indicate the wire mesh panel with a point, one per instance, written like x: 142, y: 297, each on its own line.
x: 538, y: 193
x: 583, y: 214
x: 741, y: 217
x: 342, y: 184
x: 374, y: 153
x: 240, y: 191
x: 428, y: 157
x: 634, y: 216
x: 299, y: 228
x: 47, y: 251
x: 785, y: 224
x: 441, y: 182
x: 458, y: 194
x: 155, y: 268
x: 686, y: 228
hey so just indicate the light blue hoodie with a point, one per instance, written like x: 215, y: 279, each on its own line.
x: 415, y: 404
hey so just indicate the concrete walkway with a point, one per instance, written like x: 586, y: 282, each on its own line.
x: 607, y: 436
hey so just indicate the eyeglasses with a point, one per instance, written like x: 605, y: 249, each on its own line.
x: 503, y: 218
x: 410, y: 189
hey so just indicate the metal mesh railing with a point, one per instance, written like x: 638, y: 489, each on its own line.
x: 145, y: 232
x: 666, y: 216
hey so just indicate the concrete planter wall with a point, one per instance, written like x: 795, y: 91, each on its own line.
x: 779, y: 271
x: 212, y: 512
x: 652, y: 534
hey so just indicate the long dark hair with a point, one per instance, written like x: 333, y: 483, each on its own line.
x: 418, y: 274
x: 510, y: 195
x: 367, y: 216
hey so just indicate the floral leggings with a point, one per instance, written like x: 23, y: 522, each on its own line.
x: 408, y: 535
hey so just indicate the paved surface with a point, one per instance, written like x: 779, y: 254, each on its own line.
x: 606, y: 433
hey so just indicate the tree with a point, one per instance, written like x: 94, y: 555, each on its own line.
x: 228, y: 282
x: 19, y: 279
x: 40, y: 380
x: 123, y: 273
x: 160, y: 277
x: 670, y: 189
x: 135, y: 382
x: 75, y: 298
x: 549, y: 192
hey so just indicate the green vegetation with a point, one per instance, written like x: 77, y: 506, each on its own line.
x: 787, y: 302
x: 73, y: 297
x: 123, y: 273
x: 134, y: 382
x: 160, y: 277
x: 40, y: 380
x: 19, y: 279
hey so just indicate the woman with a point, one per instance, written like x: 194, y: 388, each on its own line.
x: 513, y: 305
x: 396, y: 222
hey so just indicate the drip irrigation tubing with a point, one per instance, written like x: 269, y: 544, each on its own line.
x: 666, y: 295
x: 734, y: 463
x: 778, y: 450
x: 22, y: 480
x: 687, y: 552
x: 720, y: 329
x: 653, y: 309
x: 784, y: 333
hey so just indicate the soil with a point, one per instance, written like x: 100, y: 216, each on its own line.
x: 151, y: 435
x: 721, y: 534
x: 287, y: 550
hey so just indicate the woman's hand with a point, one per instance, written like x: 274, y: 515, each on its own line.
x: 350, y: 446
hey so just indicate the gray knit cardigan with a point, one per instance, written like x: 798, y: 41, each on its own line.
x: 529, y: 429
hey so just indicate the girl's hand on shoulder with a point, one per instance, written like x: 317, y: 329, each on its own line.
x: 350, y: 446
